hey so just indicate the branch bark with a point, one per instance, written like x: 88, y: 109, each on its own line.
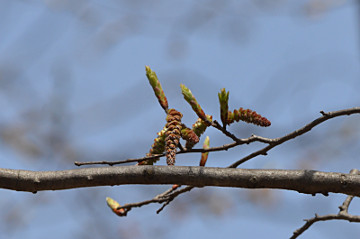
x: 303, y: 181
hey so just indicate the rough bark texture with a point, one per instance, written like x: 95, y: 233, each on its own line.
x: 303, y: 181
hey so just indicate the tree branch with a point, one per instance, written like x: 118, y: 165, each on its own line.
x: 303, y: 130
x: 342, y: 215
x: 303, y: 181
x: 237, y: 141
x: 317, y: 218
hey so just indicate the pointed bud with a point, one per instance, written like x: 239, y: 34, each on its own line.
x: 115, y: 207
x: 155, y: 84
x: 224, y: 105
x: 204, y: 156
x: 190, y: 98
x: 175, y: 186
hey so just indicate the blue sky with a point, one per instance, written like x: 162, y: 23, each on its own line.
x: 74, y: 88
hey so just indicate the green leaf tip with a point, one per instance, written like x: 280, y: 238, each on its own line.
x: 204, y: 156
x: 206, y: 143
x: 115, y: 207
x: 155, y: 84
x: 112, y: 203
x: 190, y: 98
x: 224, y: 105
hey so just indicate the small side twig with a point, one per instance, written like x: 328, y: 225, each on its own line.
x: 173, y: 196
x: 342, y: 215
x: 317, y: 218
x: 294, y: 134
x: 165, y: 197
x: 224, y: 147
x: 237, y: 141
x: 112, y: 163
x: 216, y: 125
x: 168, y: 196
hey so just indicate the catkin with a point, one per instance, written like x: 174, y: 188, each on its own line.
x: 248, y: 116
x: 173, y: 134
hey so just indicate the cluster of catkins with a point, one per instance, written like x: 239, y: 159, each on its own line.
x: 168, y: 138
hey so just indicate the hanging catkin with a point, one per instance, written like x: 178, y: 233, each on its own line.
x: 173, y: 134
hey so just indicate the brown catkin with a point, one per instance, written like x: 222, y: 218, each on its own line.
x: 173, y: 134
x: 189, y: 136
x: 247, y: 116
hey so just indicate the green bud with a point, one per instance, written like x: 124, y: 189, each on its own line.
x: 155, y: 84
x: 224, y: 105
x: 190, y: 98
x: 204, y: 156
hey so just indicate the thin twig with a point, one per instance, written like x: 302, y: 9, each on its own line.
x: 173, y: 196
x: 216, y: 125
x: 165, y: 197
x: 111, y: 163
x: 167, y: 192
x: 342, y: 215
x: 272, y: 143
x: 306, y: 128
x: 317, y: 218
x: 164, y: 205
x: 224, y: 147
x: 254, y: 138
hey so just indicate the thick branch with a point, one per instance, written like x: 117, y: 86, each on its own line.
x: 304, y: 181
